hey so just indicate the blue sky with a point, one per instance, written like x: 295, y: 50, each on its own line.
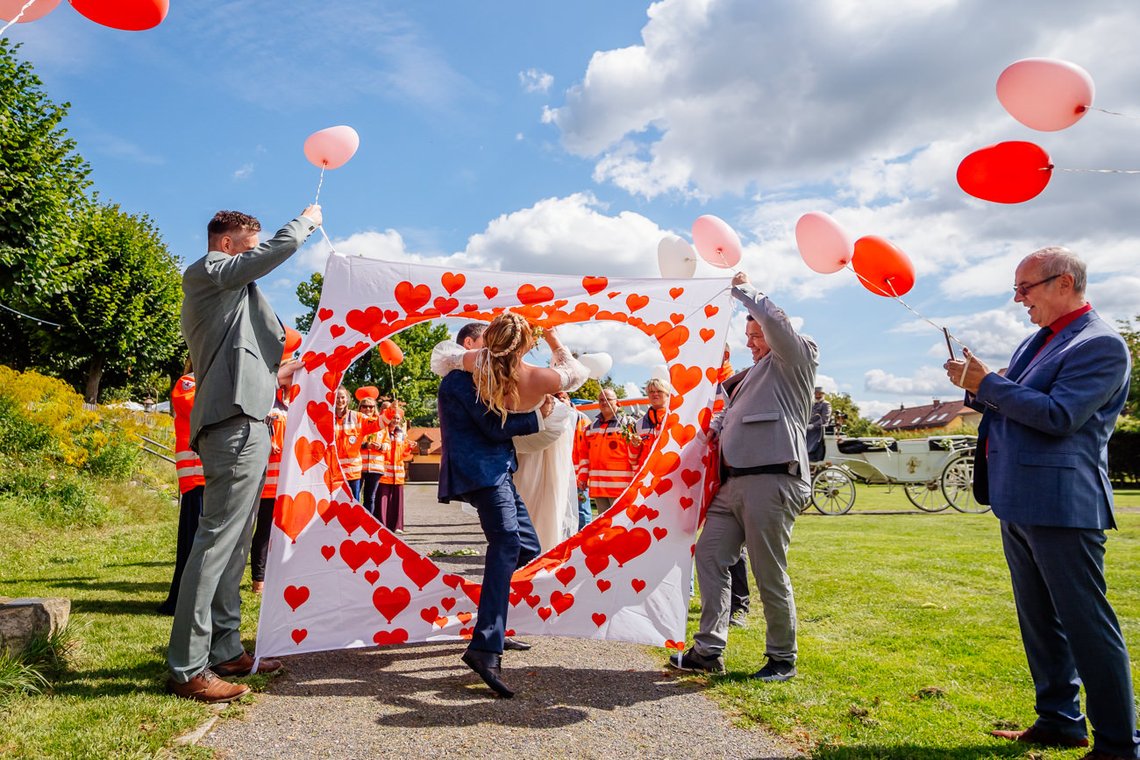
x: 572, y: 137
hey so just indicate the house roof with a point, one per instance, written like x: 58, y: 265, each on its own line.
x: 416, y: 433
x: 938, y: 414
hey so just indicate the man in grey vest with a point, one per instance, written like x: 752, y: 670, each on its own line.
x: 236, y: 343
x: 764, y: 466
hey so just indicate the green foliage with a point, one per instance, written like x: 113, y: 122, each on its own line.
x: 309, y: 294
x: 854, y: 424
x: 412, y: 382
x: 18, y: 434
x: 1131, y: 334
x: 18, y: 677
x: 117, y: 460
x: 42, y: 185
x: 592, y: 389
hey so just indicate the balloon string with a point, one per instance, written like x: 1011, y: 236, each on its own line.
x: 37, y: 320
x: 19, y: 15
x: 319, y: 183
x: 875, y: 288
x: 1097, y: 171
x: 1111, y: 113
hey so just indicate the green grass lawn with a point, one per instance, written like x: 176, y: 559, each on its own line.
x: 111, y: 704
x: 908, y: 640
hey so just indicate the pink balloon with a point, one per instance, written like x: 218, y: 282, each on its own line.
x: 824, y: 245
x: 716, y: 242
x: 1044, y: 93
x: 331, y: 148
x: 9, y: 9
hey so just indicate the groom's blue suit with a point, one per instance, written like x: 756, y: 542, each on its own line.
x: 1042, y: 463
x: 476, y: 467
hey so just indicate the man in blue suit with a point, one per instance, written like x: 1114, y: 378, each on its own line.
x: 1042, y: 463
x: 476, y: 467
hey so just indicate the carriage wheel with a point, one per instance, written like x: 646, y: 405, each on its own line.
x: 926, y: 496
x: 833, y: 491
x: 958, y: 485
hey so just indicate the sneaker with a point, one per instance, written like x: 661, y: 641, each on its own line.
x: 692, y: 661
x: 776, y: 670
x: 739, y: 619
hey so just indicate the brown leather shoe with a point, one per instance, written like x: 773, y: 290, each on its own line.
x: 207, y: 687
x: 1043, y: 736
x: 242, y: 665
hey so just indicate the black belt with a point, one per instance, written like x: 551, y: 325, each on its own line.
x: 784, y: 468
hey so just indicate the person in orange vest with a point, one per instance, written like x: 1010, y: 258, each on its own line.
x: 351, y: 429
x: 373, y: 451
x: 259, y: 544
x: 651, y: 424
x: 391, y: 498
x: 259, y: 547
x: 190, y: 482
x: 609, y: 455
x: 581, y: 462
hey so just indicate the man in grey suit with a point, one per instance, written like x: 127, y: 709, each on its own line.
x: 764, y: 466
x: 1043, y: 465
x: 236, y: 343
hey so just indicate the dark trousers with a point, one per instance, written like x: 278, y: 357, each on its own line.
x: 370, y: 487
x: 259, y: 548
x: 354, y: 486
x: 740, y: 599
x: 511, y: 543
x: 390, y: 505
x: 1070, y: 633
x: 189, y: 510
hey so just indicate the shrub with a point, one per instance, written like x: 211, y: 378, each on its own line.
x: 117, y: 459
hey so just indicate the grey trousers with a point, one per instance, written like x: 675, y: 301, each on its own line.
x: 757, y: 512
x: 235, y: 454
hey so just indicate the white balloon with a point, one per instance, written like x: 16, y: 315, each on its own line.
x: 598, y: 364
x: 676, y: 259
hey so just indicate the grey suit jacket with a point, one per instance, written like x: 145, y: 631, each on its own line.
x: 765, y: 420
x: 234, y: 336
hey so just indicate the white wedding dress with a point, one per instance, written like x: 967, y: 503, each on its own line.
x: 545, y: 478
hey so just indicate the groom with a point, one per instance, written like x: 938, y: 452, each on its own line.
x: 476, y: 467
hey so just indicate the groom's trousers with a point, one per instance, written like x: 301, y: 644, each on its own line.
x: 511, y: 543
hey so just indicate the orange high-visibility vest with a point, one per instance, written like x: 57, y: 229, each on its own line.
x: 581, y: 450
x: 399, y: 452
x: 373, y: 458
x: 610, y: 458
x: 350, y: 432
x: 648, y: 432
x: 277, y: 442
x: 186, y: 462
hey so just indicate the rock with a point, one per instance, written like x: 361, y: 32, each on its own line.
x: 22, y: 619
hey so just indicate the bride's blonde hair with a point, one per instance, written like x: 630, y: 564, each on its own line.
x: 505, y: 341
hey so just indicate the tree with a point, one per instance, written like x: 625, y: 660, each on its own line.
x: 309, y: 294
x: 42, y: 186
x: 1131, y: 335
x: 412, y: 382
x: 121, y: 318
x: 854, y: 425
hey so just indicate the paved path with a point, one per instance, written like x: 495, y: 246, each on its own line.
x: 576, y: 698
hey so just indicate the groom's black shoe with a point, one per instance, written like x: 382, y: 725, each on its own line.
x: 486, y: 664
x: 515, y: 645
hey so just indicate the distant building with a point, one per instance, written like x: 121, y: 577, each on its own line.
x: 427, y: 447
x: 938, y: 417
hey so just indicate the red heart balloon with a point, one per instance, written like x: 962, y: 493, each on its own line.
x: 1008, y: 172
x: 128, y: 15
x: 882, y: 268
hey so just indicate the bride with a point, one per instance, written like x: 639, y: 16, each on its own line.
x: 545, y: 477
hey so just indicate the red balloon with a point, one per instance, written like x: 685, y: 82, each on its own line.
x: 1008, y: 172
x: 391, y: 353
x: 882, y: 268
x: 128, y: 15
x: 367, y: 391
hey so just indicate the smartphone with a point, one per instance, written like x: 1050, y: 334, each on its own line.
x: 949, y: 345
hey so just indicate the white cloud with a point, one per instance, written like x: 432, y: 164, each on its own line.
x: 535, y: 80
x: 245, y: 171
x: 926, y: 381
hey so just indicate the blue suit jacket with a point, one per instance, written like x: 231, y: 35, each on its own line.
x: 478, y: 450
x: 1047, y: 431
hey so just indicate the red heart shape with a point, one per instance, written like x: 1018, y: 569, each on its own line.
x: 328, y: 552
x: 308, y: 453
x: 390, y: 602
x: 299, y: 634
x: 464, y: 617
x: 328, y: 510
x: 336, y: 331
x: 447, y: 603
x: 420, y: 570
x: 566, y: 574
x: 452, y: 282
x: 594, y: 285
x: 465, y: 633
x: 686, y: 502
x: 561, y: 601
x: 678, y: 645
x: 490, y: 292
x: 603, y: 585
x: 323, y: 314
x: 292, y: 514
x: 544, y: 612
x: 354, y: 553
x: 412, y: 297
x: 397, y: 636
x: 671, y: 343
x: 599, y: 618
x: 430, y: 615
x: 711, y: 310
x: 707, y: 334
x: 691, y: 477
x: 295, y: 596
x: 372, y: 576
x: 322, y: 417
x: 446, y: 305
x: 635, y: 301
x: 529, y: 294
x: 370, y: 322
x: 675, y: 293
x: 629, y: 545
x: 660, y: 533
x: 638, y: 585
x: 685, y: 378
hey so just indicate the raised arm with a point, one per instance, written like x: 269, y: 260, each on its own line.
x: 791, y: 347
x: 240, y: 269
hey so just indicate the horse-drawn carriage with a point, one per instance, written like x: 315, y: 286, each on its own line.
x: 935, y: 472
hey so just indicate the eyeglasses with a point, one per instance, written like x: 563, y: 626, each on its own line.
x: 367, y: 406
x: 1023, y: 290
